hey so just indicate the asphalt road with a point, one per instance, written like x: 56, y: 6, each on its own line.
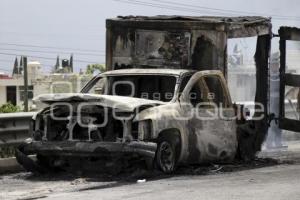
x: 265, y: 179
x: 280, y: 182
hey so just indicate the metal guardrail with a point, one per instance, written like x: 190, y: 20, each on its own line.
x: 14, y: 128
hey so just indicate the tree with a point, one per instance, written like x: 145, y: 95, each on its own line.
x: 91, y: 68
x: 71, y: 63
x: 56, y: 66
x: 21, y: 66
x: 16, y: 66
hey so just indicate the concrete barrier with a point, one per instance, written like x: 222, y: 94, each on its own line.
x: 10, y: 165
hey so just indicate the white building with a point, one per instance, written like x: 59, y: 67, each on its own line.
x: 12, y: 88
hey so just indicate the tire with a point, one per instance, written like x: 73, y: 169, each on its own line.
x: 166, y: 154
x: 27, y: 163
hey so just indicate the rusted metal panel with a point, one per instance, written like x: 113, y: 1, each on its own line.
x: 245, y: 25
x: 251, y: 29
x: 289, y: 124
x: 208, y: 50
x: 160, y: 48
x: 177, y: 41
x: 289, y: 33
x: 286, y: 79
x: 109, y: 50
x: 166, y: 23
x: 199, y: 50
x: 262, y: 53
x: 282, y: 48
x: 292, y: 80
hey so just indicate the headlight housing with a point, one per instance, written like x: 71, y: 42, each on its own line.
x: 145, y: 130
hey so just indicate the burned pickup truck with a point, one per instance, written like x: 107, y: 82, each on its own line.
x: 167, y: 116
x: 164, y: 98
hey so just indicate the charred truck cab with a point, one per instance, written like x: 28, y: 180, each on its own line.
x: 164, y: 98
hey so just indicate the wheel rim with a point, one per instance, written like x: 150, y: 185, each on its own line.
x: 167, y: 156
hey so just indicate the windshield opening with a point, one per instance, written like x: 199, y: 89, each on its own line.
x: 152, y: 87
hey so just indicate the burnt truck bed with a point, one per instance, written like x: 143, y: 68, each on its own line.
x: 180, y: 42
x: 192, y: 42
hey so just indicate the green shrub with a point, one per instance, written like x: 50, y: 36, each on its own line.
x: 9, y: 108
x: 7, y: 152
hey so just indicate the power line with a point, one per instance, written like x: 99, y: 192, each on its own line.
x: 219, y: 11
x: 61, y: 37
x: 40, y: 51
x: 155, y: 5
x: 224, y: 10
x: 169, y: 3
x: 205, y: 9
x: 55, y: 35
x: 50, y: 47
x: 4, y: 69
x: 7, y: 60
x: 46, y: 58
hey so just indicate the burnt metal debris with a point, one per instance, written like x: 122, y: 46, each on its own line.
x: 174, y: 55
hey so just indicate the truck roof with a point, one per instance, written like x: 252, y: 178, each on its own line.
x: 242, y: 26
x: 176, y: 72
x: 203, y: 19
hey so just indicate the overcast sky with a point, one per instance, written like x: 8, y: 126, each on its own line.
x: 72, y: 25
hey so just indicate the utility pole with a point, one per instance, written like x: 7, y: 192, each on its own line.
x: 25, y: 84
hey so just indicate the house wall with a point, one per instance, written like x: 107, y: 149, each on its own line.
x: 3, y: 95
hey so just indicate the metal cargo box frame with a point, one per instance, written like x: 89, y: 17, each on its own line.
x: 198, y: 43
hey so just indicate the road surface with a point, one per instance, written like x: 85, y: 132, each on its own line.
x: 265, y: 179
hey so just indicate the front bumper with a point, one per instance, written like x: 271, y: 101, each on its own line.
x: 85, y: 148
x: 81, y: 149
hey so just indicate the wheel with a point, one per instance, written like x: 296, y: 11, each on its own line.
x: 166, y: 155
x: 27, y: 163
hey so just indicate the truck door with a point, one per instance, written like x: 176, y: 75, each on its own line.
x: 212, y: 134
x: 289, y: 111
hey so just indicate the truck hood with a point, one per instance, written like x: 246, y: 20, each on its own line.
x: 119, y: 102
